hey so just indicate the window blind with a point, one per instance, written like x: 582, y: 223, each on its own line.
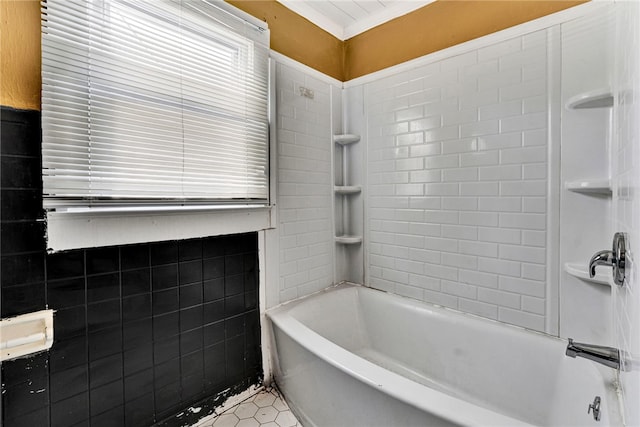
x: 152, y: 101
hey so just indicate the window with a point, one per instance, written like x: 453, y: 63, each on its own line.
x: 153, y: 102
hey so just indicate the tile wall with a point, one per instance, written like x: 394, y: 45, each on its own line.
x: 457, y: 181
x: 626, y: 157
x: 141, y: 331
x: 304, y: 184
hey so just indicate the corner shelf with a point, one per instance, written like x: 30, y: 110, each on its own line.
x: 348, y: 240
x: 590, y: 186
x: 598, y: 98
x: 581, y: 272
x: 346, y: 139
x: 347, y: 189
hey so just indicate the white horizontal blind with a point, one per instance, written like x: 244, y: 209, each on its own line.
x: 152, y: 101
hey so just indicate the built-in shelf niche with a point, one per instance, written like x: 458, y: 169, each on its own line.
x: 581, y: 271
x: 597, y: 98
x: 590, y: 186
x: 346, y: 191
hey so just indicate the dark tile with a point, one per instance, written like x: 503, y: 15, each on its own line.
x: 70, y: 411
x: 20, y: 237
x: 139, y: 412
x: 250, y: 281
x: 166, y: 349
x: 23, y: 268
x: 70, y: 382
x: 215, y: 364
x: 165, y: 301
x: 235, y: 357
x: 21, y: 205
x: 106, y: 397
x: 233, y: 285
x: 103, y: 287
x: 235, y: 244
x: 35, y: 418
x: 138, y: 358
x: 190, y: 272
x: 134, y: 257
x: 233, y: 264
x: 111, y: 418
x: 213, y: 289
x: 250, y: 300
x: 250, y: 262
x: 70, y: 322
x: 164, y: 253
x: 192, y: 364
x: 25, y: 369
x: 20, y: 172
x: 20, y: 132
x: 65, y: 354
x: 190, y: 295
x: 136, y: 282
x: 65, y: 293
x: 167, y: 399
x: 103, y: 315
x: 137, y: 385
x: 233, y: 305
x: 164, y: 277
x: 213, y: 311
x: 212, y: 247
x: 252, y: 328
x: 103, y: 260
x: 166, y: 325
x: 167, y: 373
x: 190, y: 249
x: 191, y: 318
x: 106, y: 370
x: 136, y: 307
x: 214, y: 333
x: 64, y: 265
x: 191, y: 341
x: 192, y: 388
x: 23, y: 299
x: 21, y: 399
x: 136, y: 333
x: 105, y: 343
x: 234, y: 326
x: 213, y: 267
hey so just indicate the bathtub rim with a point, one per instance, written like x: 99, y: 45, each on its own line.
x: 395, y: 385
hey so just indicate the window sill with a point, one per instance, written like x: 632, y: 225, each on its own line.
x: 94, y: 227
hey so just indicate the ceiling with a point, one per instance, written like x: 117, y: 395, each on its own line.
x: 347, y: 18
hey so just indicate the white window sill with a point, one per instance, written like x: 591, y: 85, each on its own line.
x: 94, y: 227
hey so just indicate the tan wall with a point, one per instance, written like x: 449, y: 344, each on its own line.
x: 436, y: 26
x: 20, y: 54
x: 431, y: 28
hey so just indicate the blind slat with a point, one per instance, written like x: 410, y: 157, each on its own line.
x: 152, y: 99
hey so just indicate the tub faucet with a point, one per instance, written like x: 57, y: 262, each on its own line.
x: 607, y: 356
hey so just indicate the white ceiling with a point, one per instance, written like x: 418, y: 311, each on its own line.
x: 347, y: 18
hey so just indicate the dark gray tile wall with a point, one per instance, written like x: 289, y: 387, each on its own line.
x: 141, y: 331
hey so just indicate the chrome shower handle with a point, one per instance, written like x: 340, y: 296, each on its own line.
x: 615, y: 258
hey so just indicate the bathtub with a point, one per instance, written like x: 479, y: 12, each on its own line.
x: 353, y: 356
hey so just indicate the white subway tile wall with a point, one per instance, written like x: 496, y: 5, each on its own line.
x: 626, y: 177
x: 304, y: 184
x: 457, y: 181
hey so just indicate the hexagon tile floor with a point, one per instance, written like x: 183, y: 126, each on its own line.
x: 265, y: 409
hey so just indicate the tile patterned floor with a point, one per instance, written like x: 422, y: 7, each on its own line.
x: 265, y: 409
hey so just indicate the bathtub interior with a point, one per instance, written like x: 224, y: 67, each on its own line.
x: 518, y: 373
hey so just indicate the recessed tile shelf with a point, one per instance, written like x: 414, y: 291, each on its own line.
x: 347, y: 189
x: 581, y: 271
x: 349, y: 240
x: 598, y: 98
x: 346, y: 139
x: 590, y: 186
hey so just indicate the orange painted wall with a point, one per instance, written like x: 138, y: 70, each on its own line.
x: 439, y: 25
x: 436, y: 26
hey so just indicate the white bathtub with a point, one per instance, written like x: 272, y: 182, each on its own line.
x: 353, y: 356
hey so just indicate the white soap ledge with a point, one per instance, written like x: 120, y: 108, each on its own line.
x: 581, y: 271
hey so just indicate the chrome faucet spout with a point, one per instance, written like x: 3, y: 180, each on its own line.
x: 607, y: 356
x: 600, y: 258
